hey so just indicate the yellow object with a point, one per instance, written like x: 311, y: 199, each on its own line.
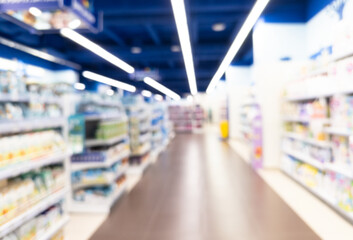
x: 224, y: 127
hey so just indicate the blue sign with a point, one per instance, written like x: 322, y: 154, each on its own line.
x: 60, y: 12
x: 16, y: 5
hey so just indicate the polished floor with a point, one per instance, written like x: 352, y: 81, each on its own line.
x: 200, y: 190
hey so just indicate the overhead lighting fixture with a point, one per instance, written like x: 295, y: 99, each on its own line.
x: 108, y: 81
x: 161, y: 88
x: 37, y: 53
x: 238, y: 42
x: 218, y: 27
x: 79, y: 86
x: 189, y: 98
x: 175, y: 48
x: 158, y: 97
x: 184, y: 38
x: 35, y: 11
x: 110, y: 92
x: 74, y: 24
x: 93, y: 47
x: 146, y: 93
x: 136, y: 50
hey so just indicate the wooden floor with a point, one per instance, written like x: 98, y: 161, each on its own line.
x: 200, y: 190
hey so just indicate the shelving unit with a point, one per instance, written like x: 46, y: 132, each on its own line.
x: 37, y: 125
x: 187, y: 117
x: 330, y: 106
x: 32, y: 212
x: 105, y: 156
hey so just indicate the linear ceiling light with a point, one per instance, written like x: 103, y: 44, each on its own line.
x: 184, y: 38
x: 108, y: 81
x: 93, y: 47
x: 238, y: 42
x: 37, y: 53
x: 161, y: 88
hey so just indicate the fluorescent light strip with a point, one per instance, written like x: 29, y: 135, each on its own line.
x: 146, y: 93
x: 79, y: 86
x: 184, y: 38
x: 158, y: 97
x: 108, y: 81
x: 161, y: 88
x: 93, y: 47
x: 238, y: 42
x: 37, y: 53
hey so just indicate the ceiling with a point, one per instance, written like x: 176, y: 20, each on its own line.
x: 150, y: 26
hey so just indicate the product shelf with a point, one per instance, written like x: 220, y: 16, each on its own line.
x: 322, y: 197
x: 32, y: 212
x: 322, y: 144
x: 24, y: 99
x: 338, y: 131
x: 97, y: 117
x: 145, y: 137
x: 14, y: 126
x: 54, y: 229
x: 98, y: 207
x: 296, y: 119
x: 106, y: 181
x: 26, y: 166
x: 77, y: 166
x: 304, y: 158
x: 103, y: 142
x: 139, y: 169
x: 145, y: 149
x: 343, y: 170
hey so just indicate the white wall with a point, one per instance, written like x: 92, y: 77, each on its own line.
x: 274, y: 41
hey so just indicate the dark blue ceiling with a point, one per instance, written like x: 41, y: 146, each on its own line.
x: 150, y: 25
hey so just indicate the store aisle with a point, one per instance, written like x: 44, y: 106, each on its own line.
x: 200, y: 189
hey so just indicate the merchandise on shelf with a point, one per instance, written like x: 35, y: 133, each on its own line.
x: 333, y: 187
x: 101, y: 154
x: 29, y: 147
x: 37, y: 227
x: 99, y: 194
x: 98, y: 175
x: 341, y: 111
x: 186, y: 117
x: 305, y: 110
x: 322, y: 155
x: 22, y: 192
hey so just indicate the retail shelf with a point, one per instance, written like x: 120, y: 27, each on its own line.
x: 145, y: 137
x: 97, y: 117
x: 88, y: 165
x: 324, y: 198
x: 48, y: 234
x: 26, y: 166
x: 105, y: 142
x: 304, y: 158
x: 308, y: 97
x: 32, y: 212
x: 144, y: 127
x: 99, y: 206
x: 105, y: 181
x: 338, y: 131
x: 156, y: 128
x: 139, y: 169
x: 145, y: 149
x: 322, y: 144
x: 102, y: 102
x: 296, y: 119
x: 25, y: 98
x: 343, y: 170
x: 14, y: 126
